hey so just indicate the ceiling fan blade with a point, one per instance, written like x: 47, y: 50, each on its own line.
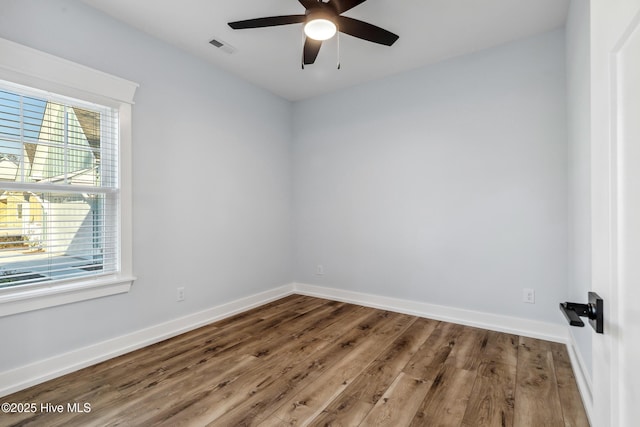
x: 308, y: 3
x: 270, y: 21
x: 366, y: 31
x: 311, y: 49
x: 344, y: 5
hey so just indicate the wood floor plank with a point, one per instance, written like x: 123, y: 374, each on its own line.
x: 227, y: 362
x: 492, y: 397
x: 222, y: 348
x: 399, y: 403
x: 334, y: 312
x: 501, y: 348
x: 381, y: 327
x: 236, y: 388
x: 302, y: 360
x: 273, y: 421
x: 292, y: 303
x: 570, y: 400
x: 211, y: 339
x: 313, y: 399
x: 113, y: 368
x: 447, y: 398
x: 351, y: 318
x: 302, y: 407
x: 128, y: 373
x: 537, y: 399
x: 351, y: 406
x: 175, y: 393
x: 223, y: 382
x: 351, y: 414
x: 428, y: 360
x: 467, y: 347
x: 388, y: 366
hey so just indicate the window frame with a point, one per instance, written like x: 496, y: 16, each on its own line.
x: 29, y: 67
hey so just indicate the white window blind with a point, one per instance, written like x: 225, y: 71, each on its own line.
x: 59, y: 191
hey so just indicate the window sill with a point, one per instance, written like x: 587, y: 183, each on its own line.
x: 14, y: 301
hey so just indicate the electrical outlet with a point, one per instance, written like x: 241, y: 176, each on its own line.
x: 320, y: 270
x: 180, y: 294
x: 529, y: 296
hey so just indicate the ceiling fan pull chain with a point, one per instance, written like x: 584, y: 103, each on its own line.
x: 338, y: 41
x: 302, y: 54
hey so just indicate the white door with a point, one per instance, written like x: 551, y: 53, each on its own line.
x: 615, y: 132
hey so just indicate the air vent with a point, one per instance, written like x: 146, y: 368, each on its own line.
x: 222, y: 45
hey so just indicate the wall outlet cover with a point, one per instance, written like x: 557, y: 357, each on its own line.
x: 528, y: 296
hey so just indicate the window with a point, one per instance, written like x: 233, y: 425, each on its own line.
x: 60, y: 162
x: 65, y: 190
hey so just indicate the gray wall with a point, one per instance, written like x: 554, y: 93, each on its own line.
x: 579, y: 141
x: 446, y: 185
x: 211, y: 182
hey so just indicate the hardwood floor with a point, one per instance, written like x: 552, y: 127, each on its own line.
x: 309, y: 361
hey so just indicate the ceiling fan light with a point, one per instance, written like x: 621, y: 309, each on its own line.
x: 320, y: 29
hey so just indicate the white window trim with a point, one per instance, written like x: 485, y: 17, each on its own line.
x: 30, y: 67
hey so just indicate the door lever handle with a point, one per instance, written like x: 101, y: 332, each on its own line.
x: 593, y: 310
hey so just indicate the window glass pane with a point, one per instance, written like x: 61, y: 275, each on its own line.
x: 46, y: 236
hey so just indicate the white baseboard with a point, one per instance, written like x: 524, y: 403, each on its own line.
x: 495, y: 322
x: 583, y: 378
x: 38, y: 372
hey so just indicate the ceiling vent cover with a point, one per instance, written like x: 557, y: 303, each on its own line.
x: 222, y: 45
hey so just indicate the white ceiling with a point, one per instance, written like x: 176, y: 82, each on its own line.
x: 429, y: 30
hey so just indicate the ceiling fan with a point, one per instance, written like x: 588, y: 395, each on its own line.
x: 321, y: 22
